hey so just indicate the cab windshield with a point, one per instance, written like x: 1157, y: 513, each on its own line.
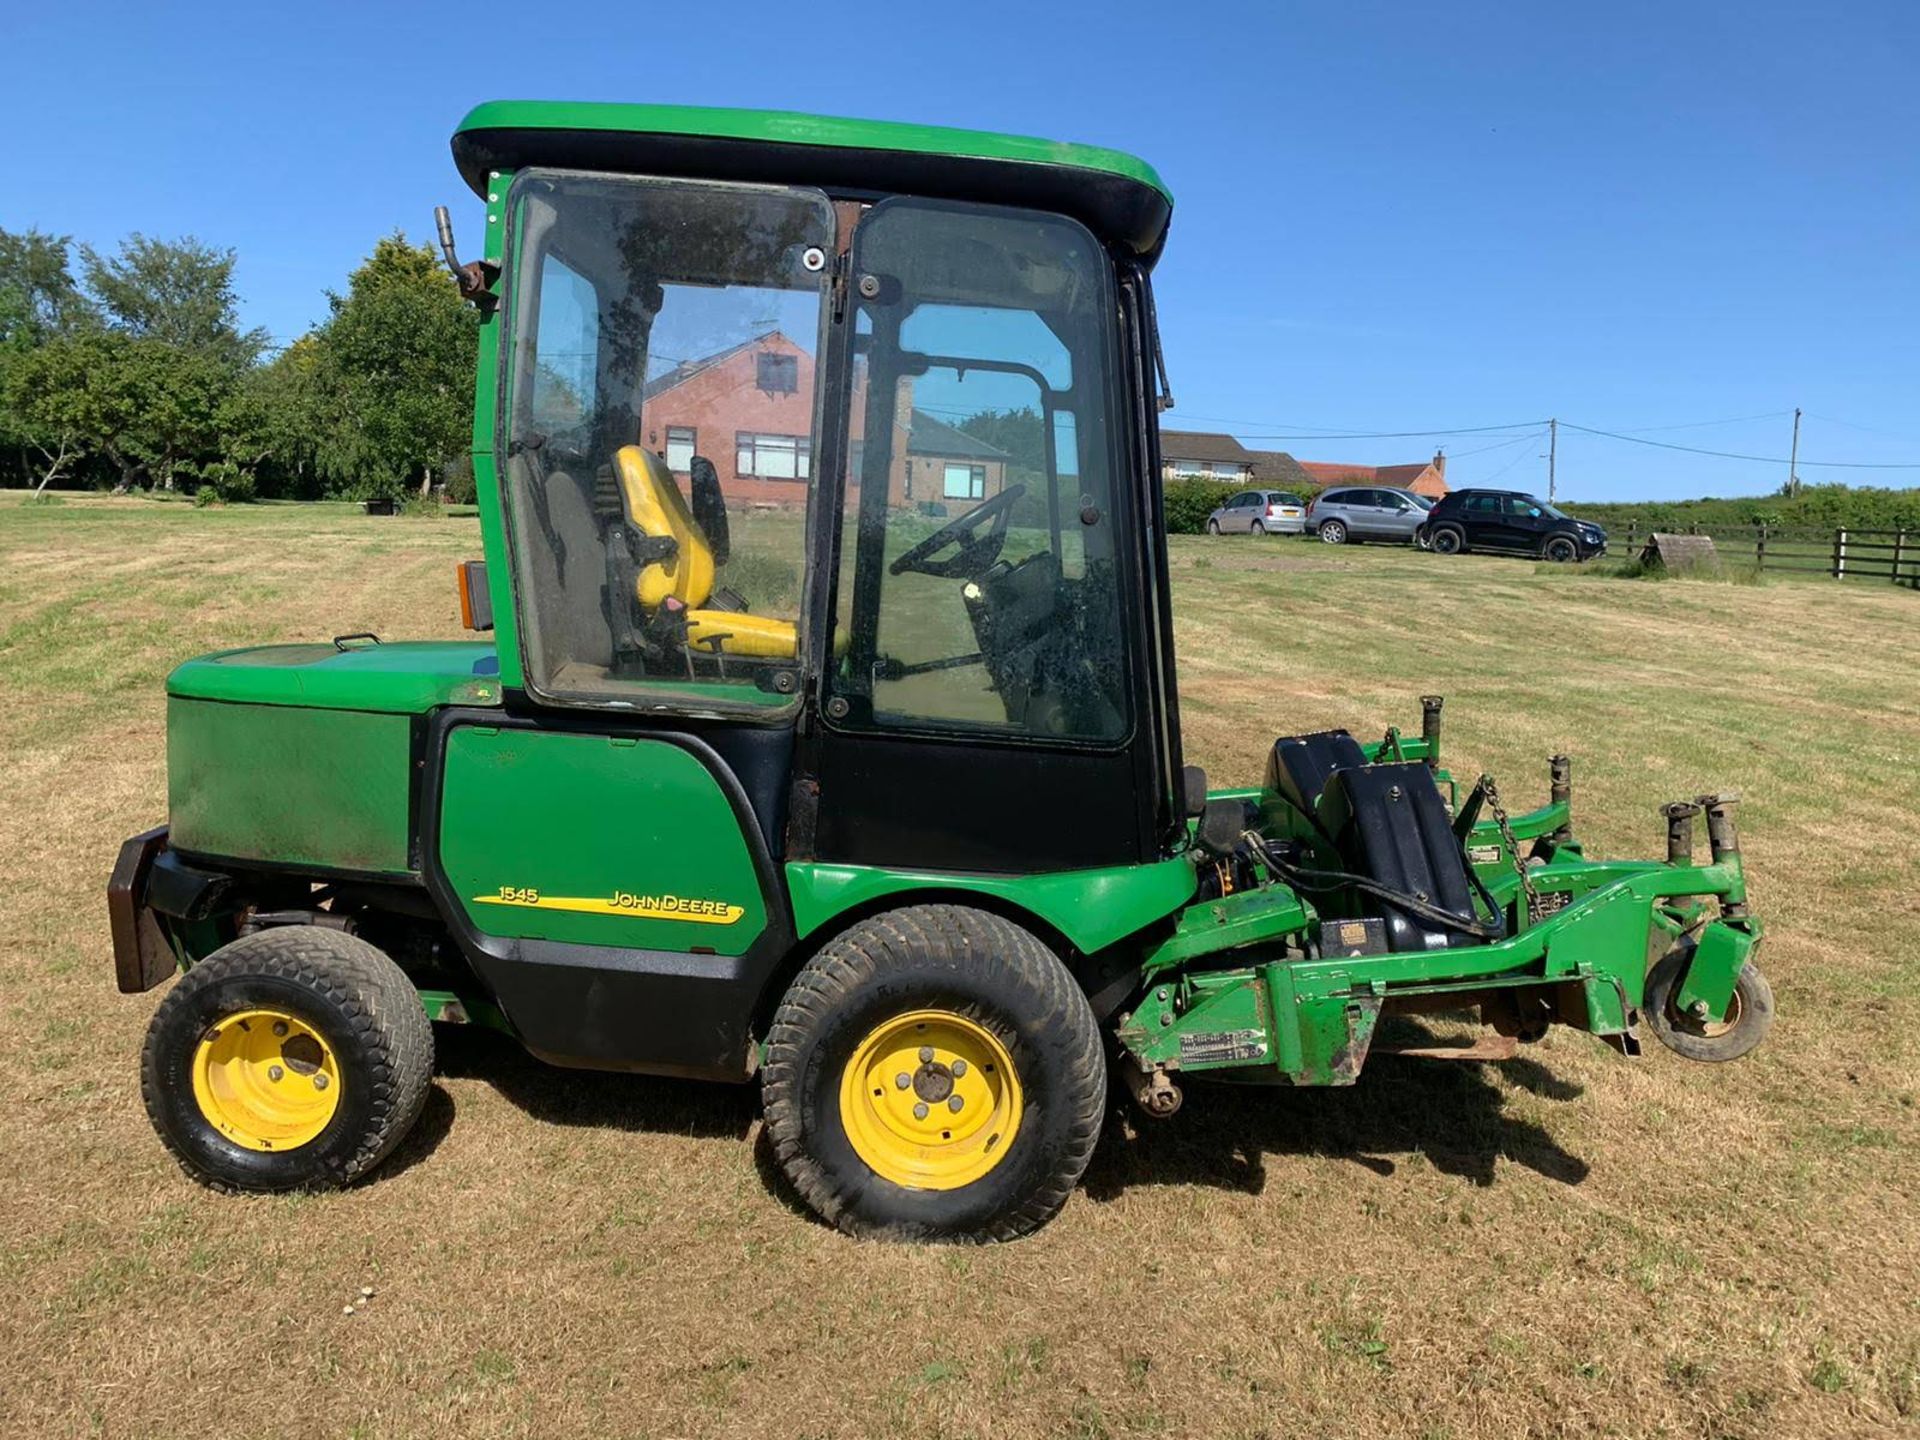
x: 662, y: 423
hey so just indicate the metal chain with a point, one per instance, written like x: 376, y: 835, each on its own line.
x: 1513, y: 847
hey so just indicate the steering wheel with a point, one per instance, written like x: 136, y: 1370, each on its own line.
x: 976, y: 552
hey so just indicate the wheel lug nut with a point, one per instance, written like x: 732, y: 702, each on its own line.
x: 959, y: 1068
x: 919, y: 1109
x: 954, y: 1102
x: 280, y: 1027
x: 926, y: 1054
x: 902, y: 1080
x: 319, y: 1082
x: 274, y: 1072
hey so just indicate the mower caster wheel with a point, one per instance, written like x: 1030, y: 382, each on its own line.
x: 1749, y: 1016
x: 294, y: 1058
x: 1006, y: 1078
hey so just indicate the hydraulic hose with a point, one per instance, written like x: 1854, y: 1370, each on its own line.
x: 1324, y: 880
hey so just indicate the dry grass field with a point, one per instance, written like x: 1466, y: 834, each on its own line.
x: 1566, y: 1244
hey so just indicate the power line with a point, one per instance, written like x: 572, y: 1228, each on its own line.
x: 1397, y: 434
x: 1702, y: 424
x: 1755, y: 459
x: 1868, y: 429
x: 1497, y: 445
x: 1509, y: 465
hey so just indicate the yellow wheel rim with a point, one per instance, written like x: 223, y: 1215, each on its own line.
x: 930, y: 1100
x: 266, y: 1080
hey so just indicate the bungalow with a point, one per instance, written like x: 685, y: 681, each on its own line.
x: 1200, y: 454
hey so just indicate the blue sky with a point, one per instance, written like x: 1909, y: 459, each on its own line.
x: 1391, y: 217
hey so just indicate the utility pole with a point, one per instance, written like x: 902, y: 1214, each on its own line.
x: 1553, y: 448
x: 1793, y: 459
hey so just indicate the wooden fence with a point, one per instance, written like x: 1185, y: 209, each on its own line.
x: 1842, y: 554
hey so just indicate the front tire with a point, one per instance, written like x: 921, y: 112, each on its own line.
x: 1333, y: 532
x: 1213, y: 527
x: 1749, y: 1016
x: 1560, y: 549
x: 962, y: 1006
x: 294, y: 1058
x: 1448, y: 540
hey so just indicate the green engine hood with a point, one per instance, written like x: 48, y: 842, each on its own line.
x: 404, y: 678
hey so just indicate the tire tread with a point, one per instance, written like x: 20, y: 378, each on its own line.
x: 378, y: 1001
x: 973, y: 938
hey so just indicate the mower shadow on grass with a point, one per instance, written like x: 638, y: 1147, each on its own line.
x: 1450, y: 1114
x: 600, y: 1099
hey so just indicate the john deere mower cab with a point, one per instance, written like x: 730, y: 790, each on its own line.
x: 827, y: 732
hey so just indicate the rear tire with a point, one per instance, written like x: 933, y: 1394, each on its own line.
x: 910, y: 994
x: 1259, y: 527
x: 1333, y: 532
x: 1749, y: 1016
x: 1449, y: 540
x: 243, y: 1052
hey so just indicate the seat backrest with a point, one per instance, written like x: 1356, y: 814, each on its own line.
x: 568, y: 562
x: 655, y: 507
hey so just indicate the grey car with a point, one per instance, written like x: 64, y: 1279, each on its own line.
x: 1259, y: 512
x: 1366, y: 512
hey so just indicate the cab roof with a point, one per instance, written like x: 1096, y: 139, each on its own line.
x: 1117, y: 196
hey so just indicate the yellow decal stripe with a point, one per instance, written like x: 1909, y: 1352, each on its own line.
x: 637, y: 907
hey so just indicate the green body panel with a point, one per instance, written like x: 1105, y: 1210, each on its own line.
x: 786, y: 127
x: 595, y: 840
x: 1715, y: 969
x: 1253, y: 917
x: 1092, y: 908
x: 404, y: 678
x: 290, y: 784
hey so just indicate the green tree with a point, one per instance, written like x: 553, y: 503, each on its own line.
x: 1018, y: 432
x: 178, y: 292
x: 272, y: 422
x: 396, y: 372
x: 38, y: 301
x: 38, y: 296
x: 148, y: 407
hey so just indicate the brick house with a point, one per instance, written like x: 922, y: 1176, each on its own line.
x: 749, y: 409
x: 1426, y: 478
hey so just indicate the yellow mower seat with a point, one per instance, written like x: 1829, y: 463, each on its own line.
x: 657, y: 509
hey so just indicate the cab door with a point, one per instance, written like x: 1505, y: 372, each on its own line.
x: 605, y: 845
x: 985, y: 678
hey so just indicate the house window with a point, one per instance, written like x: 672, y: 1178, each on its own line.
x: 779, y: 374
x: 966, y: 482
x: 680, y: 442
x: 773, y: 457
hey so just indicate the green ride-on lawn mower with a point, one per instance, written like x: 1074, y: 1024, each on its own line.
x: 827, y: 732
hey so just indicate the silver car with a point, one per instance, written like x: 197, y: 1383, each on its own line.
x: 1259, y: 512
x: 1366, y: 512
